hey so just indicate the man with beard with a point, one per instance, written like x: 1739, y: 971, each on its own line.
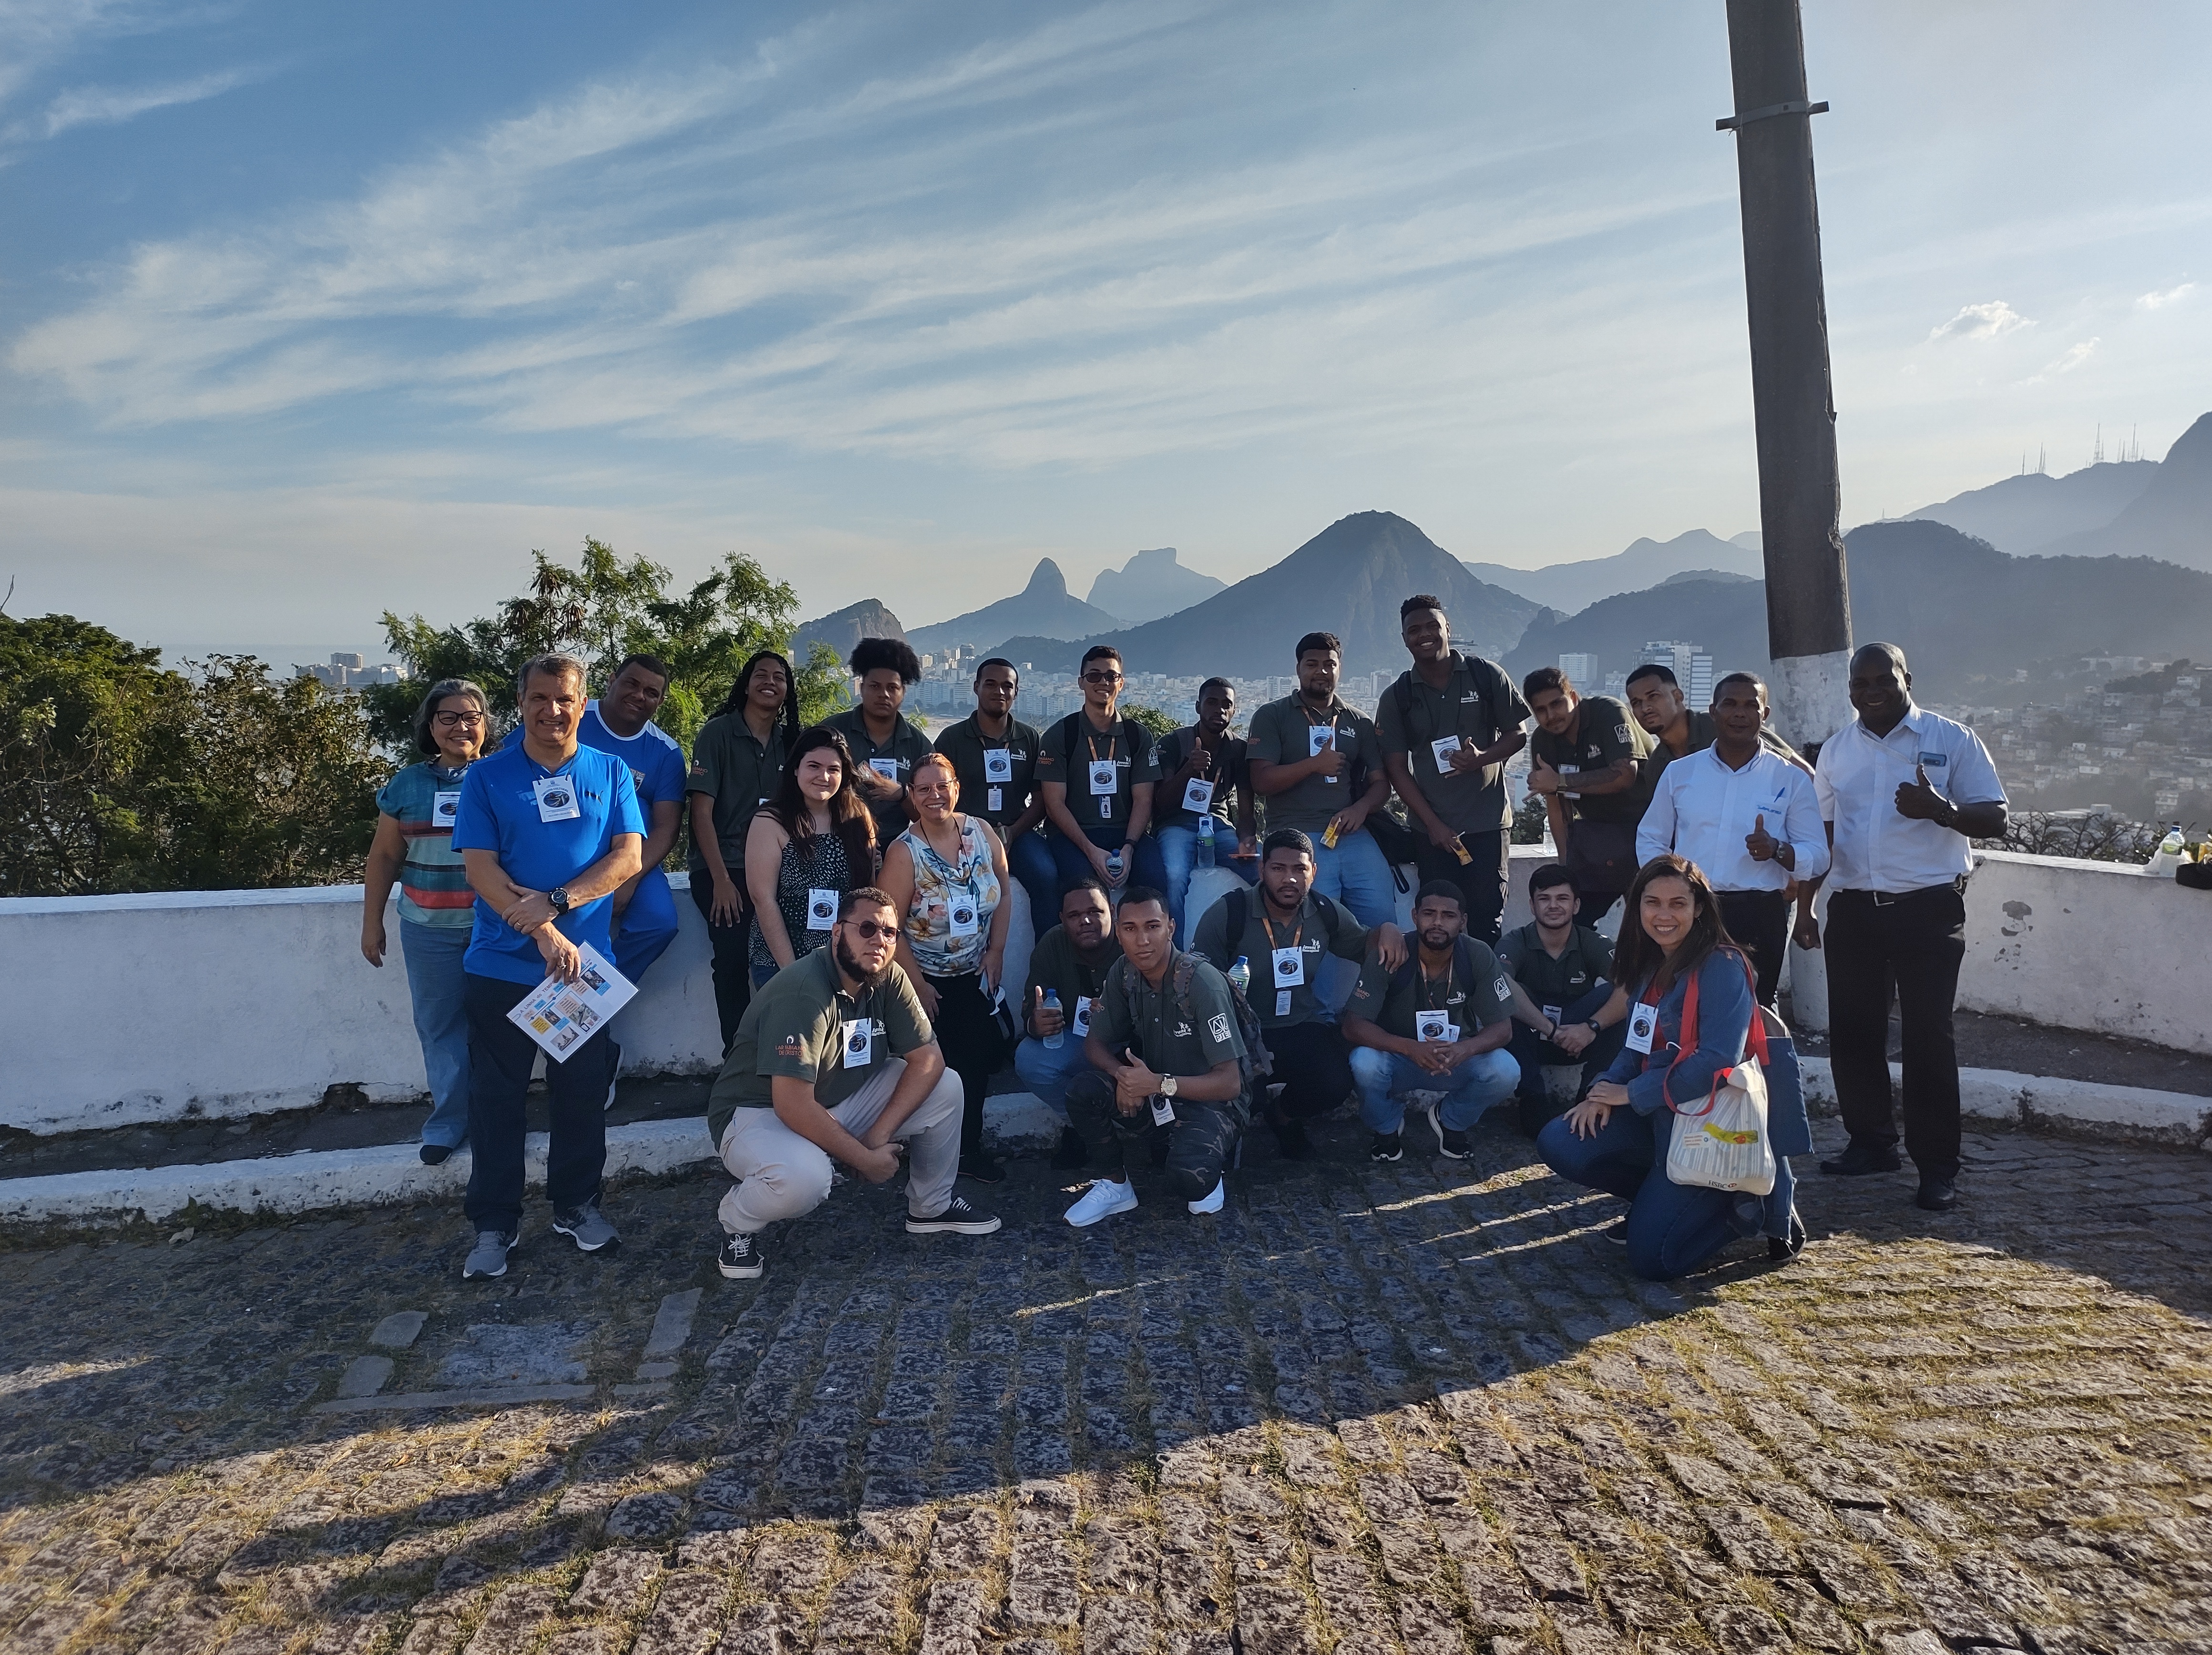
x: 1317, y: 763
x: 1439, y: 1023
x: 1282, y: 938
x: 834, y: 1060
x: 1585, y: 762
x: 1200, y: 768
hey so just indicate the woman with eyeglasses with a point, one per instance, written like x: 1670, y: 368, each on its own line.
x: 808, y: 846
x: 414, y: 845
x: 947, y: 875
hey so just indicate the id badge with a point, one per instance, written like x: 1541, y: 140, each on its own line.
x: 1290, y: 967
x: 961, y: 916
x: 1319, y: 739
x: 820, y: 909
x: 1082, y: 1024
x: 1106, y: 807
x: 998, y: 764
x: 1105, y: 779
x: 995, y: 799
x: 1198, y: 795
x: 1432, y: 1027
x: 556, y: 798
x: 1442, y: 751
x: 887, y: 769
x: 444, y: 807
x: 1282, y: 1003
x: 1553, y: 1014
x: 1642, y: 1024
x: 1163, y: 1110
x: 860, y: 1043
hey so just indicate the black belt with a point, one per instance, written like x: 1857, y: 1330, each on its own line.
x: 1889, y: 899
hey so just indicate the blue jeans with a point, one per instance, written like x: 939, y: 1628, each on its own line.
x: 435, y: 983
x: 1046, y: 1072
x: 1179, y: 855
x: 1383, y: 1079
x: 1142, y: 859
x: 1355, y: 874
x: 1671, y: 1228
x: 648, y: 926
x: 1029, y: 858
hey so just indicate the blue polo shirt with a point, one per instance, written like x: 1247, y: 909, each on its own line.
x: 499, y: 812
x: 655, y: 758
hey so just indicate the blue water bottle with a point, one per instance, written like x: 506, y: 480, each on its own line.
x: 1053, y: 1042
x: 1241, y: 974
x: 1205, y: 841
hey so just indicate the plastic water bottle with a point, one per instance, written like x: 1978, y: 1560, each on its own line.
x: 1205, y: 841
x: 1053, y: 1042
x: 2167, y: 857
x: 1114, y: 866
x: 1241, y: 974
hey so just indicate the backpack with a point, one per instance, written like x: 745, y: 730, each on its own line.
x: 1237, y: 908
x: 1258, y: 1062
x: 1127, y: 729
x: 1462, y: 964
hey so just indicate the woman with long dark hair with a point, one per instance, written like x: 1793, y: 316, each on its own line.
x: 1616, y: 1138
x: 809, y: 845
x: 737, y: 766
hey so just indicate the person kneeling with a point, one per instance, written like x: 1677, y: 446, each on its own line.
x: 1616, y: 1139
x: 1167, y: 1054
x: 834, y: 1060
x: 1569, y: 1030
x: 1438, y: 1023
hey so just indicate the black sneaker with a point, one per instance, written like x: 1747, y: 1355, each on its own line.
x: 434, y: 1155
x: 1452, y: 1144
x: 1937, y: 1194
x: 1858, y: 1159
x: 958, y: 1218
x: 1386, y: 1146
x: 982, y: 1168
x: 1617, y: 1232
x: 1780, y: 1249
x: 741, y: 1259
x: 1071, y: 1152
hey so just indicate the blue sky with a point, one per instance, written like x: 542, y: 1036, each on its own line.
x: 308, y: 310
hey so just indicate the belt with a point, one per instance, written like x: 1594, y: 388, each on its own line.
x: 1889, y: 899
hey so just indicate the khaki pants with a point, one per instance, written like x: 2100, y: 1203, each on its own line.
x: 782, y: 1175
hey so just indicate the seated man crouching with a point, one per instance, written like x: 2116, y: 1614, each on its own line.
x: 835, y: 1059
x: 1439, y: 1023
x: 1165, y: 1051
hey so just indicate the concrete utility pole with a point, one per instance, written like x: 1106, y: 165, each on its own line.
x: 1809, y: 607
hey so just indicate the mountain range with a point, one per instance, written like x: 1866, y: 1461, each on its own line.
x: 1571, y: 586
x: 866, y: 619
x: 2170, y: 518
x: 1150, y: 585
x: 1044, y: 608
x: 2026, y: 514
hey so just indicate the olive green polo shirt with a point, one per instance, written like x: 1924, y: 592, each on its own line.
x: 799, y: 1026
x: 1476, y: 996
x: 1230, y: 770
x: 965, y: 743
x: 1477, y: 705
x: 1280, y: 734
x: 1561, y: 982
x: 1055, y: 965
x: 907, y: 744
x: 1072, y: 746
x: 1321, y: 925
x: 1604, y: 735
x: 1133, y: 1015
x: 740, y: 773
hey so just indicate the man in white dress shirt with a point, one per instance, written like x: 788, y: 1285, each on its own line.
x: 1904, y: 793
x: 1748, y: 818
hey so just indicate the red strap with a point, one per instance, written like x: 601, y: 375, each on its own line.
x: 1755, y: 1043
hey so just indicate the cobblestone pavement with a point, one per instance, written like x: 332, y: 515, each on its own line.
x: 1370, y: 1410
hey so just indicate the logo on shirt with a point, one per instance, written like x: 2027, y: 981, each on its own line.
x: 1620, y: 732
x: 789, y: 1046
x: 1503, y: 993
x: 1217, y: 1026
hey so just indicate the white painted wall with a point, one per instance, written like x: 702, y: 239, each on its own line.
x: 127, y: 1010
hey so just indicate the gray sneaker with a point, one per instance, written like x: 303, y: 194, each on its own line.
x: 487, y: 1258
x: 586, y: 1227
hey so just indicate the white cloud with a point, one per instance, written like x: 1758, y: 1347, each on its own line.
x: 1992, y: 320
x: 2071, y: 358
x: 105, y: 106
x: 2151, y: 301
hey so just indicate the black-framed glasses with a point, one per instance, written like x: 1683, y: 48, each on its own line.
x: 450, y: 719
x: 871, y: 928
x: 1102, y: 678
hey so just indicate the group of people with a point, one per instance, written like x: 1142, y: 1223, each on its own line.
x: 853, y: 875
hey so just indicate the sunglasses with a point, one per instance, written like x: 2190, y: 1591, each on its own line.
x: 1102, y: 678
x: 870, y: 929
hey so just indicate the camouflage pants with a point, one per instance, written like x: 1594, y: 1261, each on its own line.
x: 1199, y: 1140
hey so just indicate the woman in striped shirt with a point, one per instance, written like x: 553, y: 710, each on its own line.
x: 414, y: 845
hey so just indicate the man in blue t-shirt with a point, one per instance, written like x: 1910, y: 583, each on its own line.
x: 549, y: 831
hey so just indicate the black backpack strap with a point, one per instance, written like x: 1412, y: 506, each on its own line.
x: 1239, y: 913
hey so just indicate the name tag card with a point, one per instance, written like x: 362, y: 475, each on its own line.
x: 1282, y: 1003
x: 1082, y: 1024
x: 1643, y: 1025
x: 556, y: 798
x: 887, y: 769
x: 1553, y: 1013
x: 998, y: 764
x: 444, y: 807
x: 1198, y: 795
x: 1162, y: 1110
x: 1290, y: 967
x: 1319, y: 739
x: 1105, y: 779
x: 860, y: 1043
x: 1433, y: 1027
x: 820, y: 909
x: 963, y: 918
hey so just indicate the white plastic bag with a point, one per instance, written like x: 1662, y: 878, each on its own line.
x: 1724, y: 1143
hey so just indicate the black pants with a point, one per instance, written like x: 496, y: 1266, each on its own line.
x: 1535, y: 1054
x: 1313, y: 1063
x: 500, y: 1060
x: 1481, y: 882
x: 1912, y: 947
x: 969, y: 1036
x: 1199, y: 1140
x: 734, y: 977
x: 1759, y: 921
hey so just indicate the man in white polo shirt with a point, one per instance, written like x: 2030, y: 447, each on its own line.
x: 1905, y: 793
x: 1748, y: 818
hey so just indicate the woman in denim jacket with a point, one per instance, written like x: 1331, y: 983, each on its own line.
x: 1616, y: 1138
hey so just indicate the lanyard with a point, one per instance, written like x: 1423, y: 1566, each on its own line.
x: 1313, y: 722
x: 1112, y: 745
x: 1298, y: 933
x: 1439, y: 1001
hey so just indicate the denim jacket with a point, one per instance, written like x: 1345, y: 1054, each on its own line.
x: 1725, y: 1009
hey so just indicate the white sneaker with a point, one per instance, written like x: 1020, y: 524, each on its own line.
x: 1210, y: 1203
x: 1102, y: 1200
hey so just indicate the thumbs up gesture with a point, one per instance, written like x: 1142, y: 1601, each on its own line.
x: 1918, y: 798
x: 1761, y: 844
x: 1542, y: 778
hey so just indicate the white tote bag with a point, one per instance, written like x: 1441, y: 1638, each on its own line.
x: 1724, y: 1143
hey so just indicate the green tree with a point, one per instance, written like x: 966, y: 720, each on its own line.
x: 1156, y: 723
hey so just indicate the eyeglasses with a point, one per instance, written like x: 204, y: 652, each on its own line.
x: 1102, y: 678
x: 469, y: 720
x: 870, y: 929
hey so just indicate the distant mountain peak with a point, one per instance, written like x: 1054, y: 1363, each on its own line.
x: 1151, y: 583
x: 1046, y: 580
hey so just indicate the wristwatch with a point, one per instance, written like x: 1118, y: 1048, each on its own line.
x: 1167, y: 1086
x: 559, y: 899
x: 1593, y: 1027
